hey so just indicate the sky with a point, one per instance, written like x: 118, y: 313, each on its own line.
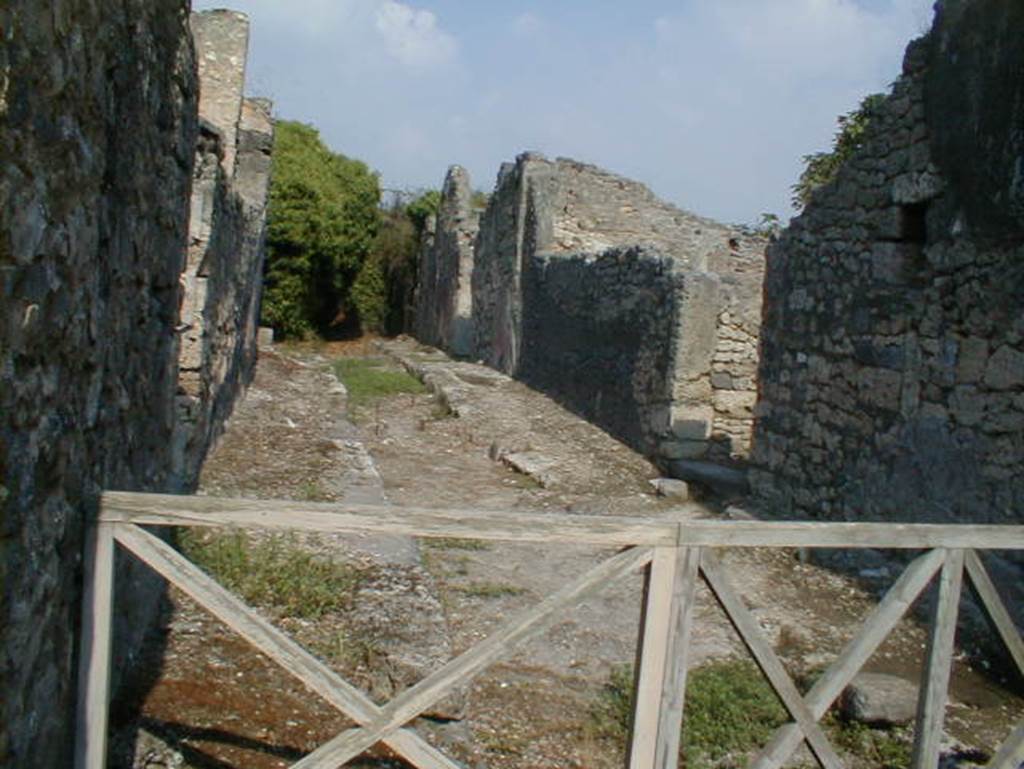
x: 711, y: 103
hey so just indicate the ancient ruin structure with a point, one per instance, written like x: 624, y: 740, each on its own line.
x: 892, y: 376
x: 99, y: 127
x: 220, y: 303
x: 642, y: 317
x: 444, y: 299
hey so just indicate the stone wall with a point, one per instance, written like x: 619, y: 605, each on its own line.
x: 444, y: 297
x: 892, y: 373
x: 222, y: 46
x: 98, y: 132
x: 223, y: 274
x: 102, y: 150
x: 640, y: 316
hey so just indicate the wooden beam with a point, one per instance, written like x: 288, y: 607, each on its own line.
x: 1011, y: 754
x: 652, y: 656
x: 931, y: 703
x: 673, y: 691
x: 94, y: 648
x: 230, y: 610
x: 893, y: 536
x: 516, y: 526
x: 762, y: 652
x: 517, y: 631
x: 851, y: 659
x: 994, y: 607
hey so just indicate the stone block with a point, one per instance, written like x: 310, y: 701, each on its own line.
x: 724, y: 479
x: 682, y: 449
x: 735, y: 403
x: 893, y: 262
x: 971, y: 359
x: 671, y: 488
x: 692, y: 422
x: 916, y: 187
x: 880, y: 387
x: 1005, y: 369
x: 876, y: 698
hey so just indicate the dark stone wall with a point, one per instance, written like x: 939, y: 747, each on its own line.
x: 892, y: 366
x: 597, y: 335
x: 97, y: 132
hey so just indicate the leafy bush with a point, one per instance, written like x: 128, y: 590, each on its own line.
x: 322, y: 222
x: 821, y: 167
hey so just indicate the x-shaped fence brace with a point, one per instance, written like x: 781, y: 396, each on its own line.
x: 672, y: 574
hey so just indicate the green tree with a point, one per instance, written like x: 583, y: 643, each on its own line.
x: 421, y: 208
x: 322, y: 222
x: 821, y: 167
x: 383, y: 293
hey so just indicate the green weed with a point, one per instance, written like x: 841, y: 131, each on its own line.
x: 369, y: 379
x: 730, y: 712
x: 452, y: 543
x: 274, y: 572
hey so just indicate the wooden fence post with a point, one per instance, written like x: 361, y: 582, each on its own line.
x: 661, y: 660
x: 94, y: 646
x: 931, y: 703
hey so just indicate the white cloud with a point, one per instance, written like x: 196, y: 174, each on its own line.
x: 412, y: 36
x: 528, y: 24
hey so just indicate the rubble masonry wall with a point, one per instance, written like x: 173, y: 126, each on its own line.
x: 98, y: 129
x: 100, y: 134
x: 892, y: 371
x: 639, y: 316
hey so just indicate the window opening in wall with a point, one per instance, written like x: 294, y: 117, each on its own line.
x: 914, y: 223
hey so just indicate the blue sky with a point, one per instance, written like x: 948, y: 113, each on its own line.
x: 711, y: 103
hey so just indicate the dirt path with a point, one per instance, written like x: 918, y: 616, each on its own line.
x: 213, y: 703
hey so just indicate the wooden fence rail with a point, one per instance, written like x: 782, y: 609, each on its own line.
x: 675, y: 557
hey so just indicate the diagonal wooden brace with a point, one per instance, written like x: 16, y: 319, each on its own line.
x: 876, y: 628
x: 746, y: 625
x: 319, y: 678
x: 1011, y: 754
x: 517, y: 631
x: 998, y: 614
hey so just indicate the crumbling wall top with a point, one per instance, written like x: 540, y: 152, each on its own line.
x: 222, y: 46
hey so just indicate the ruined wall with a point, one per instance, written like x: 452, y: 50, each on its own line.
x: 222, y: 47
x: 892, y: 374
x: 444, y: 296
x: 97, y: 134
x: 640, y: 316
x: 223, y: 274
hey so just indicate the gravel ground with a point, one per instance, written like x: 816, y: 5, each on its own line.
x: 207, y: 700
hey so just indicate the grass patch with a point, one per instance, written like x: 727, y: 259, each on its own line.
x: 274, y: 572
x: 731, y: 711
x: 368, y: 379
x: 452, y: 543
x: 488, y: 590
x: 882, y: 748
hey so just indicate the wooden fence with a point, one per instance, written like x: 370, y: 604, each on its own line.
x: 675, y: 555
